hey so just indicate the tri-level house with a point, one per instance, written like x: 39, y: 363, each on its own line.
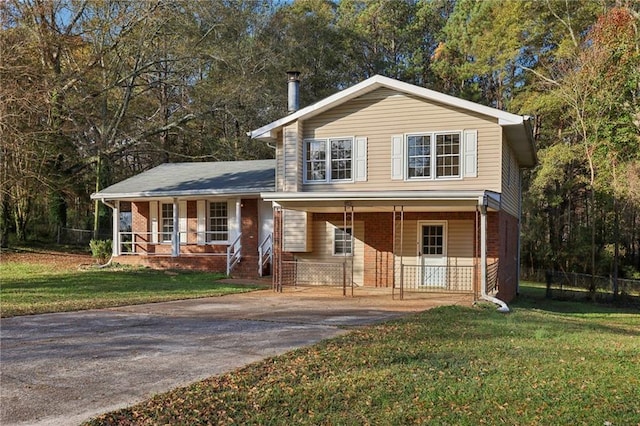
x: 383, y: 184
x: 392, y: 185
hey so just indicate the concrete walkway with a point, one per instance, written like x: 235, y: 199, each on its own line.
x: 62, y: 369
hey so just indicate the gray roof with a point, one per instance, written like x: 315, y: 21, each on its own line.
x: 195, y: 179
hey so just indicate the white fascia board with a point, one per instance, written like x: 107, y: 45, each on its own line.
x: 173, y: 194
x: 267, y: 132
x: 376, y: 196
x: 504, y: 118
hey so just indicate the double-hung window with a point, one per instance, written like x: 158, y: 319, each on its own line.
x: 167, y: 223
x: 419, y: 156
x: 447, y: 155
x: 342, y: 241
x: 433, y: 155
x: 218, y: 221
x: 329, y: 160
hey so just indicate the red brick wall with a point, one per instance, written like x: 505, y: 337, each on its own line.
x: 215, y: 258
x: 508, y: 255
x: 249, y: 226
x: 215, y: 263
x: 140, y: 223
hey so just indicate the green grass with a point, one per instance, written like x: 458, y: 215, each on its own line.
x: 544, y: 363
x: 27, y: 288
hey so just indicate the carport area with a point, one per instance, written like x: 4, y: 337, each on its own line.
x: 62, y: 369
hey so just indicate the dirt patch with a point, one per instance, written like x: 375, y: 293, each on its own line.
x: 52, y: 260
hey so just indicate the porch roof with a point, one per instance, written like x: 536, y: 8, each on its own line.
x: 196, y: 179
x: 376, y: 201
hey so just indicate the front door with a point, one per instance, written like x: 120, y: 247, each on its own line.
x: 433, y: 253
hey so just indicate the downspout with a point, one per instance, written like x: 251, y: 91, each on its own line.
x: 502, y: 306
x: 115, y: 240
x: 518, y: 248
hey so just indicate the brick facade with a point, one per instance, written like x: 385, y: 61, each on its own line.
x: 193, y: 255
x: 502, y: 239
x: 508, y: 256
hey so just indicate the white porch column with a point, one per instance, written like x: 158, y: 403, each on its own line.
x: 116, y: 229
x: 483, y: 249
x: 175, y: 236
x: 238, y: 215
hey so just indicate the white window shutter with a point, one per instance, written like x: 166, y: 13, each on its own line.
x: 202, y: 222
x: 470, y: 153
x: 182, y: 221
x: 153, y: 217
x: 397, y: 157
x: 361, y: 159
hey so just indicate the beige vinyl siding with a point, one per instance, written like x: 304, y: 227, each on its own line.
x: 510, y: 181
x: 383, y: 113
x: 460, y: 236
x: 295, y: 231
x: 280, y: 163
x: 322, y: 248
x: 292, y: 157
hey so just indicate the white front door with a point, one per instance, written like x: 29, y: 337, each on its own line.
x: 433, y: 253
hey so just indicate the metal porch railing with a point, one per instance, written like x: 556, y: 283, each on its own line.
x: 435, y: 279
x: 265, y: 254
x: 234, y: 254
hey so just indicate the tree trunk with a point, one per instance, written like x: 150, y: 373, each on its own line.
x: 96, y: 210
x: 616, y: 252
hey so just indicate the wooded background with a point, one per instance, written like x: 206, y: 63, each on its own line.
x: 92, y: 92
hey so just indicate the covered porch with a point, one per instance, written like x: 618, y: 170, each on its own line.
x: 410, y: 242
x: 216, y: 233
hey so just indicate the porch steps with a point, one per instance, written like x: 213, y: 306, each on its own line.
x: 247, y: 268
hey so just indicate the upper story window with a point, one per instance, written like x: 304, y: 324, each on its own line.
x: 419, y: 156
x: 448, y: 155
x: 433, y: 155
x: 329, y: 160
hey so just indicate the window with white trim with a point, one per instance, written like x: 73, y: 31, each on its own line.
x: 167, y: 223
x: 447, y: 155
x: 328, y: 160
x: 433, y: 155
x: 419, y: 156
x: 342, y: 241
x: 218, y: 221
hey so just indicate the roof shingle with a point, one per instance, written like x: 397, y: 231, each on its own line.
x: 194, y: 179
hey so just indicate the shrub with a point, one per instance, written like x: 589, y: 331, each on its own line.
x: 100, y: 250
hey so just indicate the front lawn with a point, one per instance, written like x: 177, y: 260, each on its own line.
x: 39, y: 287
x: 547, y: 362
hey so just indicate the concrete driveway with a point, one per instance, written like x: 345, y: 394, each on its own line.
x: 62, y: 369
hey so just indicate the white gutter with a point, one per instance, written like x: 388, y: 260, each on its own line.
x: 253, y: 192
x: 378, y: 196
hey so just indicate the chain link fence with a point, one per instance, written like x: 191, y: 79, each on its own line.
x: 78, y: 237
x: 575, y: 285
x: 295, y: 273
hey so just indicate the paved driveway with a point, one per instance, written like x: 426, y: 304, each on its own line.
x: 64, y: 368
